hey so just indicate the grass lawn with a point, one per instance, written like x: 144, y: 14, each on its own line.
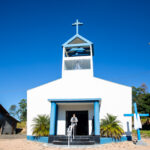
x: 144, y: 133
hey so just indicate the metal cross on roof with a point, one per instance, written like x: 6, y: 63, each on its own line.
x: 77, y: 23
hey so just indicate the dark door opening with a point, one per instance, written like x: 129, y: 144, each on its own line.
x: 82, y: 126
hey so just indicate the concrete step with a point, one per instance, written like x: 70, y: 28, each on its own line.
x: 74, y: 142
x: 83, y: 140
x: 75, y: 139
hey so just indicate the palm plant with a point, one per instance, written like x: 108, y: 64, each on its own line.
x: 41, y: 125
x: 110, y: 127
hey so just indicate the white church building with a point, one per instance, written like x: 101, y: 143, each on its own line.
x: 79, y: 92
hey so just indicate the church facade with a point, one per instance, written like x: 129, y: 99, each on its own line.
x: 79, y: 92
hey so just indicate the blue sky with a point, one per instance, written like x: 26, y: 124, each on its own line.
x: 32, y: 32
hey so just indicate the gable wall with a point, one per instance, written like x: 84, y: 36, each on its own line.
x: 116, y: 99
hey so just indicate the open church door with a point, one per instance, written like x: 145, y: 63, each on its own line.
x: 82, y: 125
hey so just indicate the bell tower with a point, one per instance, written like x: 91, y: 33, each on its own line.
x: 77, y: 56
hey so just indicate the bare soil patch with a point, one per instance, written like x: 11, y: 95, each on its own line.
x: 16, y: 143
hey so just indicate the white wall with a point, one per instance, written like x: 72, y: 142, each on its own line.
x: 63, y: 107
x: 37, y: 103
x: 116, y: 98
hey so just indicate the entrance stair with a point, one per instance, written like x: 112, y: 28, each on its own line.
x: 78, y: 140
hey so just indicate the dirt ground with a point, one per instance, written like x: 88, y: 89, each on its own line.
x: 20, y: 143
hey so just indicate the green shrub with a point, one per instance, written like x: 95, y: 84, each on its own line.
x: 110, y: 127
x: 41, y: 125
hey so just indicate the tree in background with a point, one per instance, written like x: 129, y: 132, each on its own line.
x: 13, y: 110
x: 141, y: 96
x: 21, y: 111
x: 41, y: 125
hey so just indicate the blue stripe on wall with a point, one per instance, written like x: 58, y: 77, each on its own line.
x: 43, y: 139
x: 105, y: 140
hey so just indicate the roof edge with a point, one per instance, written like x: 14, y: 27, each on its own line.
x: 75, y: 36
x: 75, y: 99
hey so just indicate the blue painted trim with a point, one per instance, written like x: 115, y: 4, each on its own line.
x: 131, y: 115
x: 80, y: 44
x: 135, y: 109
x: 128, y: 115
x: 75, y: 36
x: 138, y: 134
x: 138, y: 130
x: 53, y: 119
x: 56, y: 118
x: 144, y: 115
x: 105, y: 140
x: 43, y: 139
x: 77, y: 49
x: 75, y: 100
x: 96, y: 118
x: 86, y: 40
x: 72, y: 38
